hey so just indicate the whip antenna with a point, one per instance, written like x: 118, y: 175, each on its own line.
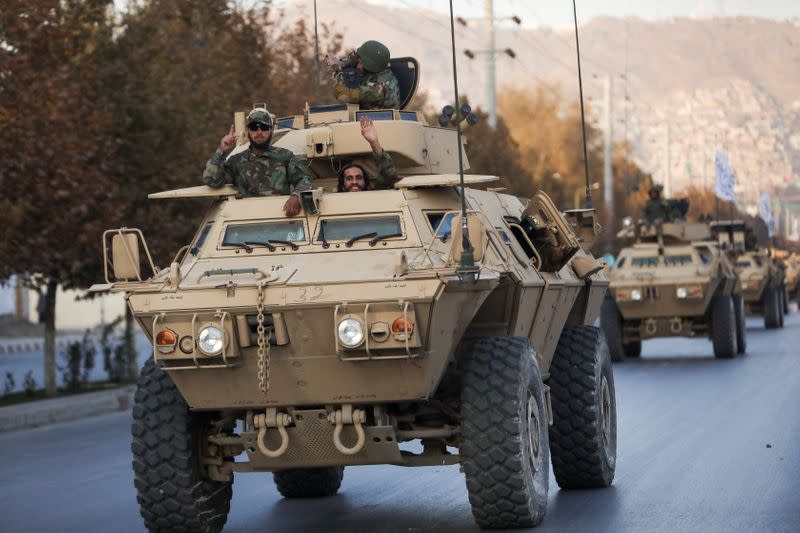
x: 466, y: 265
x: 583, y: 119
x: 316, y: 47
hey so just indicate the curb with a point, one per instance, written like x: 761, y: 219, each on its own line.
x: 46, y: 412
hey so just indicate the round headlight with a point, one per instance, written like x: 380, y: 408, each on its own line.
x: 351, y: 332
x: 636, y: 294
x: 681, y: 292
x: 211, y: 340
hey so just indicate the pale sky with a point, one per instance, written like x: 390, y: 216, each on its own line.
x: 559, y: 12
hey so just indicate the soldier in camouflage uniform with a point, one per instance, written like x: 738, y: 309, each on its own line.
x: 378, y: 89
x: 260, y: 169
x: 658, y: 208
x: 354, y: 177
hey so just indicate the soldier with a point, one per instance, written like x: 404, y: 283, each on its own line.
x: 354, y: 177
x: 655, y: 209
x: 378, y: 88
x: 261, y: 169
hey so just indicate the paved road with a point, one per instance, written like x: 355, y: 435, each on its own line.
x: 704, y: 445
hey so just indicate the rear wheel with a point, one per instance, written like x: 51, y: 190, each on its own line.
x: 772, y: 310
x: 785, y: 300
x: 741, y: 323
x: 168, y: 440
x: 611, y: 324
x: 505, y: 449
x: 309, y: 482
x: 633, y: 349
x: 583, y: 438
x: 723, y: 327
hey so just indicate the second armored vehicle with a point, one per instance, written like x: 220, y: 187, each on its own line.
x: 672, y: 281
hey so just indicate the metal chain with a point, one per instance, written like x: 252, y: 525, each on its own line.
x: 263, y: 344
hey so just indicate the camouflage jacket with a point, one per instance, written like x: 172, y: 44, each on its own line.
x: 276, y: 171
x: 376, y: 91
x: 387, y: 173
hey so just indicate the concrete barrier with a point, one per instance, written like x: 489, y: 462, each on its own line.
x: 45, y: 412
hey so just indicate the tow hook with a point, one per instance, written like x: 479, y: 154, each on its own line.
x: 272, y: 419
x: 348, y: 415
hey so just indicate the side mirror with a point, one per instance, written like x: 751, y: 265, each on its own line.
x: 477, y: 237
x: 125, y: 257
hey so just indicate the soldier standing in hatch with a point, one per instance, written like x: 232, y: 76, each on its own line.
x: 261, y: 169
x: 378, y: 89
x: 655, y: 209
x: 354, y: 177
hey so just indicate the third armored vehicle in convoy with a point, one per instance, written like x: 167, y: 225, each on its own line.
x: 762, y: 277
x: 303, y: 345
x: 672, y: 280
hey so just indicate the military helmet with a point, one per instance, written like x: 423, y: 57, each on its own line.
x: 259, y: 115
x: 374, y: 56
x: 656, y: 188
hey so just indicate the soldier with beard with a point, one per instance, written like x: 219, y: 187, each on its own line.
x: 261, y: 169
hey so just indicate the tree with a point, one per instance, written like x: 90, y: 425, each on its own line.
x: 54, y: 146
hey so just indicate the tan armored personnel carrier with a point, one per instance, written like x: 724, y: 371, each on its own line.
x: 672, y: 280
x: 761, y: 276
x: 302, y: 345
x: 790, y: 263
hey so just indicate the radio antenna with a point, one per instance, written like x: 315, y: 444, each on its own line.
x: 583, y: 118
x: 466, y: 265
x: 316, y: 48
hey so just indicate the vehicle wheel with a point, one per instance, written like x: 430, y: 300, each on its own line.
x: 741, y: 323
x: 785, y: 299
x: 633, y: 349
x: 173, y: 494
x: 504, y: 423
x: 723, y: 327
x: 309, y: 482
x: 782, y: 305
x: 583, y: 438
x: 771, y: 308
x: 611, y: 324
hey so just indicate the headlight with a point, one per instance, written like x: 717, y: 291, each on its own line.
x: 690, y: 291
x: 636, y: 295
x: 211, y: 340
x: 745, y: 285
x: 351, y: 332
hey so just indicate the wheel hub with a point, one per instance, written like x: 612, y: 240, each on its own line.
x: 534, y: 431
x: 605, y: 410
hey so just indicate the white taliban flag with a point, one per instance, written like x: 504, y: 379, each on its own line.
x: 725, y: 178
x: 765, y: 210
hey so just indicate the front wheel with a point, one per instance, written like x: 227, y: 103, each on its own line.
x: 633, y: 349
x: 172, y: 491
x: 741, y: 323
x: 583, y: 439
x: 772, y: 310
x: 504, y: 443
x: 723, y: 327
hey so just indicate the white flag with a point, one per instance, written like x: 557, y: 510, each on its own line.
x: 765, y: 209
x: 725, y: 178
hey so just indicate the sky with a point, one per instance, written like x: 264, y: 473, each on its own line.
x: 559, y: 13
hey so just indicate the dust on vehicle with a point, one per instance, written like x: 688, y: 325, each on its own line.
x: 672, y: 280
x: 303, y: 345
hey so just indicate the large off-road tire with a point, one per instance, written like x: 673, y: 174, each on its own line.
x: 633, y: 349
x: 583, y: 438
x: 504, y: 444
x: 785, y: 299
x: 772, y: 310
x: 611, y: 324
x: 723, y: 327
x: 309, y: 482
x: 741, y: 323
x: 173, y: 494
x: 781, y: 305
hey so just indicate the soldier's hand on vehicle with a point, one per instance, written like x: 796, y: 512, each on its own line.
x: 228, y: 142
x: 292, y: 206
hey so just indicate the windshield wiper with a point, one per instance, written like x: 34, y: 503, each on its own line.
x: 322, y: 233
x: 244, y: 245
x: 359, y: 237
x: 373, y: 241
x: 285, y: 243
x: 268, y: 244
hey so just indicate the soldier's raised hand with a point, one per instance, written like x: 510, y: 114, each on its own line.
x: 228, y: 142
x: 370, y: 134
x: 332, y: 61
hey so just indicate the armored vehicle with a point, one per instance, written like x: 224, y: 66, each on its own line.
x: 791, y: 266
x: 762, y: 277
x: 672, y: 280
x: 303, y: 345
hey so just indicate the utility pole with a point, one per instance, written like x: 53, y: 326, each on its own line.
x: 668, y: 175
x: 491, y: 88
x: 608, y: 140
